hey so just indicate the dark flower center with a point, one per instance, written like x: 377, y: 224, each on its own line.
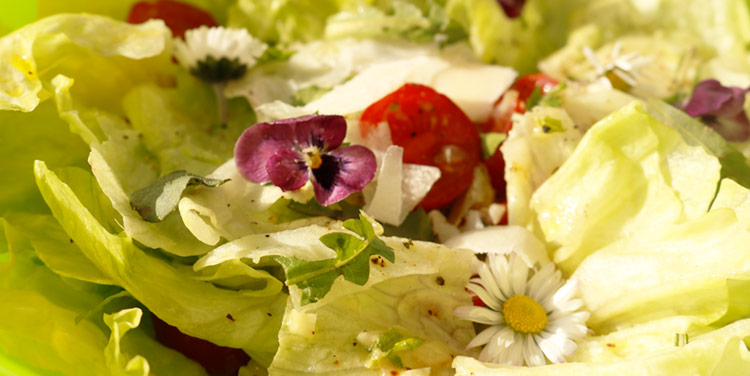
x: 325, y: 174
x: 221, y: 70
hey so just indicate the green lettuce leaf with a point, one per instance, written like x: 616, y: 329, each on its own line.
x: 719, y: 352
x: 414, y: 296
x: 102, y: 43
x: 46, y: 321
x: 630, y: 176
x: 197, y: 308
x: 52, y: 141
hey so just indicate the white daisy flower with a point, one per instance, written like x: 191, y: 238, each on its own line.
x: 532, y: 314
x: 218, y: 54
x: 622, y: 68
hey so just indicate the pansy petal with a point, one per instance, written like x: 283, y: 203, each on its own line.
x: 326, y: 132
x: 342, y: 172
x: 708, y: 97
x: 257, y: 144
x: 287, y: 170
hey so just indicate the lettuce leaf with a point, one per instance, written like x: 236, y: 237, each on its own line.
x: 46, y: 318
x: 629, y: 177
x: 197, y: 308
x: 417, y: 298
x: 102, y: 43
x: 719, y: 352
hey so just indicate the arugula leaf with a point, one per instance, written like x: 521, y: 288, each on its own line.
x: 157, y: 200
x: 352, y: 260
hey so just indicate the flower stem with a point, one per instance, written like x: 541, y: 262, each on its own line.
x: 221, y: 101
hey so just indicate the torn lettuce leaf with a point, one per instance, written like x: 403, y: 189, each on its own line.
x: 47, y: 321
x: 105, y: 44
x: 171, y: 292
x: 413, y: 296
x: 719, y: 352
x: 630, y: 176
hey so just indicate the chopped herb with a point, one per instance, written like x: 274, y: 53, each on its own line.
x: 551, y: 125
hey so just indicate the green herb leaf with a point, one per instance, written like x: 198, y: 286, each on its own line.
x: 416, y: 226
x: 390, y: 344
x: 352, y: 261
x: 159, y: 199
x: 534, y: 98
x: 553, y: 99
x: 490, y: 142
x: 551, y: 125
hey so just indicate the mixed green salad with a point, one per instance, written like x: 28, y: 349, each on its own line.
x: 346, y: 187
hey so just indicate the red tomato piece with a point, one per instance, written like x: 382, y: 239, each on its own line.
x: 512, y: 101
x: 179, y: 17
x: 433, y: 131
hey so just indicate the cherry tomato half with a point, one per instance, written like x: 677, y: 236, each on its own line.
x: 512, y: 101
x: 433, y: 131
x: 179, y: 17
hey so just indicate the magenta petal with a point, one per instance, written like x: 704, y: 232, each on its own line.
x: 287, y: 170
x: 326, y: 132
x: 343, y: 172
x: 710, y: 96
x: 257, y: 145
x: 720, y: 108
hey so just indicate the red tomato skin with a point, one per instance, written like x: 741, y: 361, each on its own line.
x: 433, y: 131
x: 500, y: 121
x: 178, y: 16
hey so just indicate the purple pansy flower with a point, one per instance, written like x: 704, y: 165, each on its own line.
x: 289, y: 152
x: 721, y: 108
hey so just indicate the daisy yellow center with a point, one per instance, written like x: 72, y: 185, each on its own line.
x: 524, y: 314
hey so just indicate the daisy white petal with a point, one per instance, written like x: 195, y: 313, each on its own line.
x: 478, y: 314
x: 484, y: 337
x: 534, y: 317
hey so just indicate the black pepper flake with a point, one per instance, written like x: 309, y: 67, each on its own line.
x: 71, y: 241
x: 229, y: 316
x: 268, y: 236
x: 269, y: 314
x: 440, y: 280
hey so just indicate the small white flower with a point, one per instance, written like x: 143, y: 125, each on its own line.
x: 531, y: 314
x: 623, y: 67
x: 217, y: 54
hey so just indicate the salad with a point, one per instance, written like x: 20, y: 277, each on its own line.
x: 346, y: 187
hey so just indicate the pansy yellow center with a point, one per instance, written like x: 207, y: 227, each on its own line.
x: 524, y: 314
x: 313, y: 157
x: 315, y: 161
